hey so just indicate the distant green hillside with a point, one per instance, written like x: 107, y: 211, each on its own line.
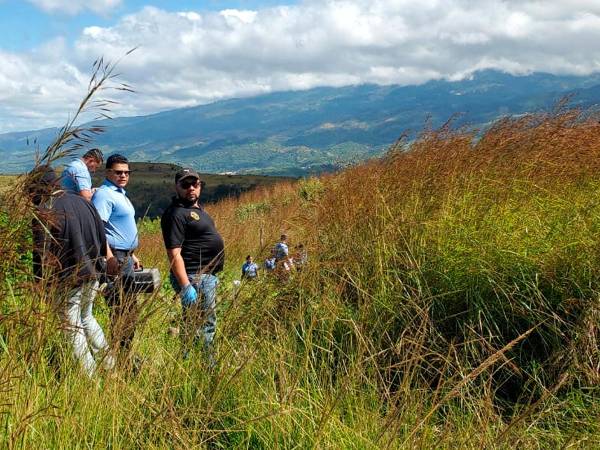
x: 294, y: 133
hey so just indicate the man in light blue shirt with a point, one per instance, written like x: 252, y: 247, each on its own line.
x: 118, y: 215
x: 76, y: 177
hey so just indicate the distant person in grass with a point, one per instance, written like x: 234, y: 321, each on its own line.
x: 270, y: 262
x: 118, y: 215
x: 282, y: 254
x: 69, y: 247
x: 76, y: 177
x: 196, y: 255
x: 249, y: 269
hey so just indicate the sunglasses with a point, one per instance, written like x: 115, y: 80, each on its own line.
x: 186, y: 184
x: 121, y: 172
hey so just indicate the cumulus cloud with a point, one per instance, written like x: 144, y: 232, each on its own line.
x: 38, y: 90
x: 194, y: 57
x: 76, y: 6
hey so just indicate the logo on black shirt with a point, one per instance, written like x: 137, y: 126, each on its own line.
x: 194, y: 215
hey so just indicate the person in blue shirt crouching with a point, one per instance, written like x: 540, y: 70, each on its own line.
x: 249, y: 269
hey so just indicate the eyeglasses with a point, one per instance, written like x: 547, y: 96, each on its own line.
x: 188, y: 184
x: 121, y: 172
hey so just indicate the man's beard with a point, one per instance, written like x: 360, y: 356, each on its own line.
x: 188, y: 202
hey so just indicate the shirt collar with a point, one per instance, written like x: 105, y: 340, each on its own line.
x: 113, y: 186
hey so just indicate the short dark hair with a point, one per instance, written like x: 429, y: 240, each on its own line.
x: 284, y: 237
x: 42, y: 181
x: 94, y: 153
x: 116, y: 159
x: 249, y: 256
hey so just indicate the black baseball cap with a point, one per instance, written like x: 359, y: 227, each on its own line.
x: 186, y: 173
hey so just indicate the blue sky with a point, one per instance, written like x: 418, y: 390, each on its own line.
x: 196, y: 52
x: 25, y: 25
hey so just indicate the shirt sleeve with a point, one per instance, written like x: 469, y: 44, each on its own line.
x: 173, y: 230
x: 103, y: 204
x: 81, y: 178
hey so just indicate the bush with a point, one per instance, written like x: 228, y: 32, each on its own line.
x: 310, y: 189
x: 251, y: 210
x: 148, y: 226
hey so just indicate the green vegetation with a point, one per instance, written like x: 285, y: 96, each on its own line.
x: 152, y: 186
x: 271, y: 157
x: 310, y: 189
x: 249, y: 210
x: 451, y: 300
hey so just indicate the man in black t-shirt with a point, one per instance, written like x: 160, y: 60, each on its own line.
x: 69, y: 243
x: 195, y: 251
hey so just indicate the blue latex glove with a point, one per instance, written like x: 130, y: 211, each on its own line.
x: 188, y: 295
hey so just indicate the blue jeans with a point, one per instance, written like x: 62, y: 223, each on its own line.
x: 199, y: 319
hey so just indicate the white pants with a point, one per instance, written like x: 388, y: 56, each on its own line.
x: 82, y: 329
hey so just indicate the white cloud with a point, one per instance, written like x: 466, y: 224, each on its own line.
x: 235, y: 16
x: 194, y: 57
x: 39, y: 89
x: 73, y: 7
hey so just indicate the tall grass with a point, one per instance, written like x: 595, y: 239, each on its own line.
x: 450, y: 300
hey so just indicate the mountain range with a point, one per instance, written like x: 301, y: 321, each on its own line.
x: 299, y: 132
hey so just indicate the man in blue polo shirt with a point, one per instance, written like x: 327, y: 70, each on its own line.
x: 118, y: 215
x: 76, y: 177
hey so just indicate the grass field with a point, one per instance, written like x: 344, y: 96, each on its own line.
x: 451, y: 300
x: 6, y: 182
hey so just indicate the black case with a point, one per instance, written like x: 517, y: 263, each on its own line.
x: 146, y: 281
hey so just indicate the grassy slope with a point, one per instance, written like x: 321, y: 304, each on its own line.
x: 451, y: 301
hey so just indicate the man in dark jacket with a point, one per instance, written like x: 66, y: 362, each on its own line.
x: 195, y: 252
x: 69, y: 245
